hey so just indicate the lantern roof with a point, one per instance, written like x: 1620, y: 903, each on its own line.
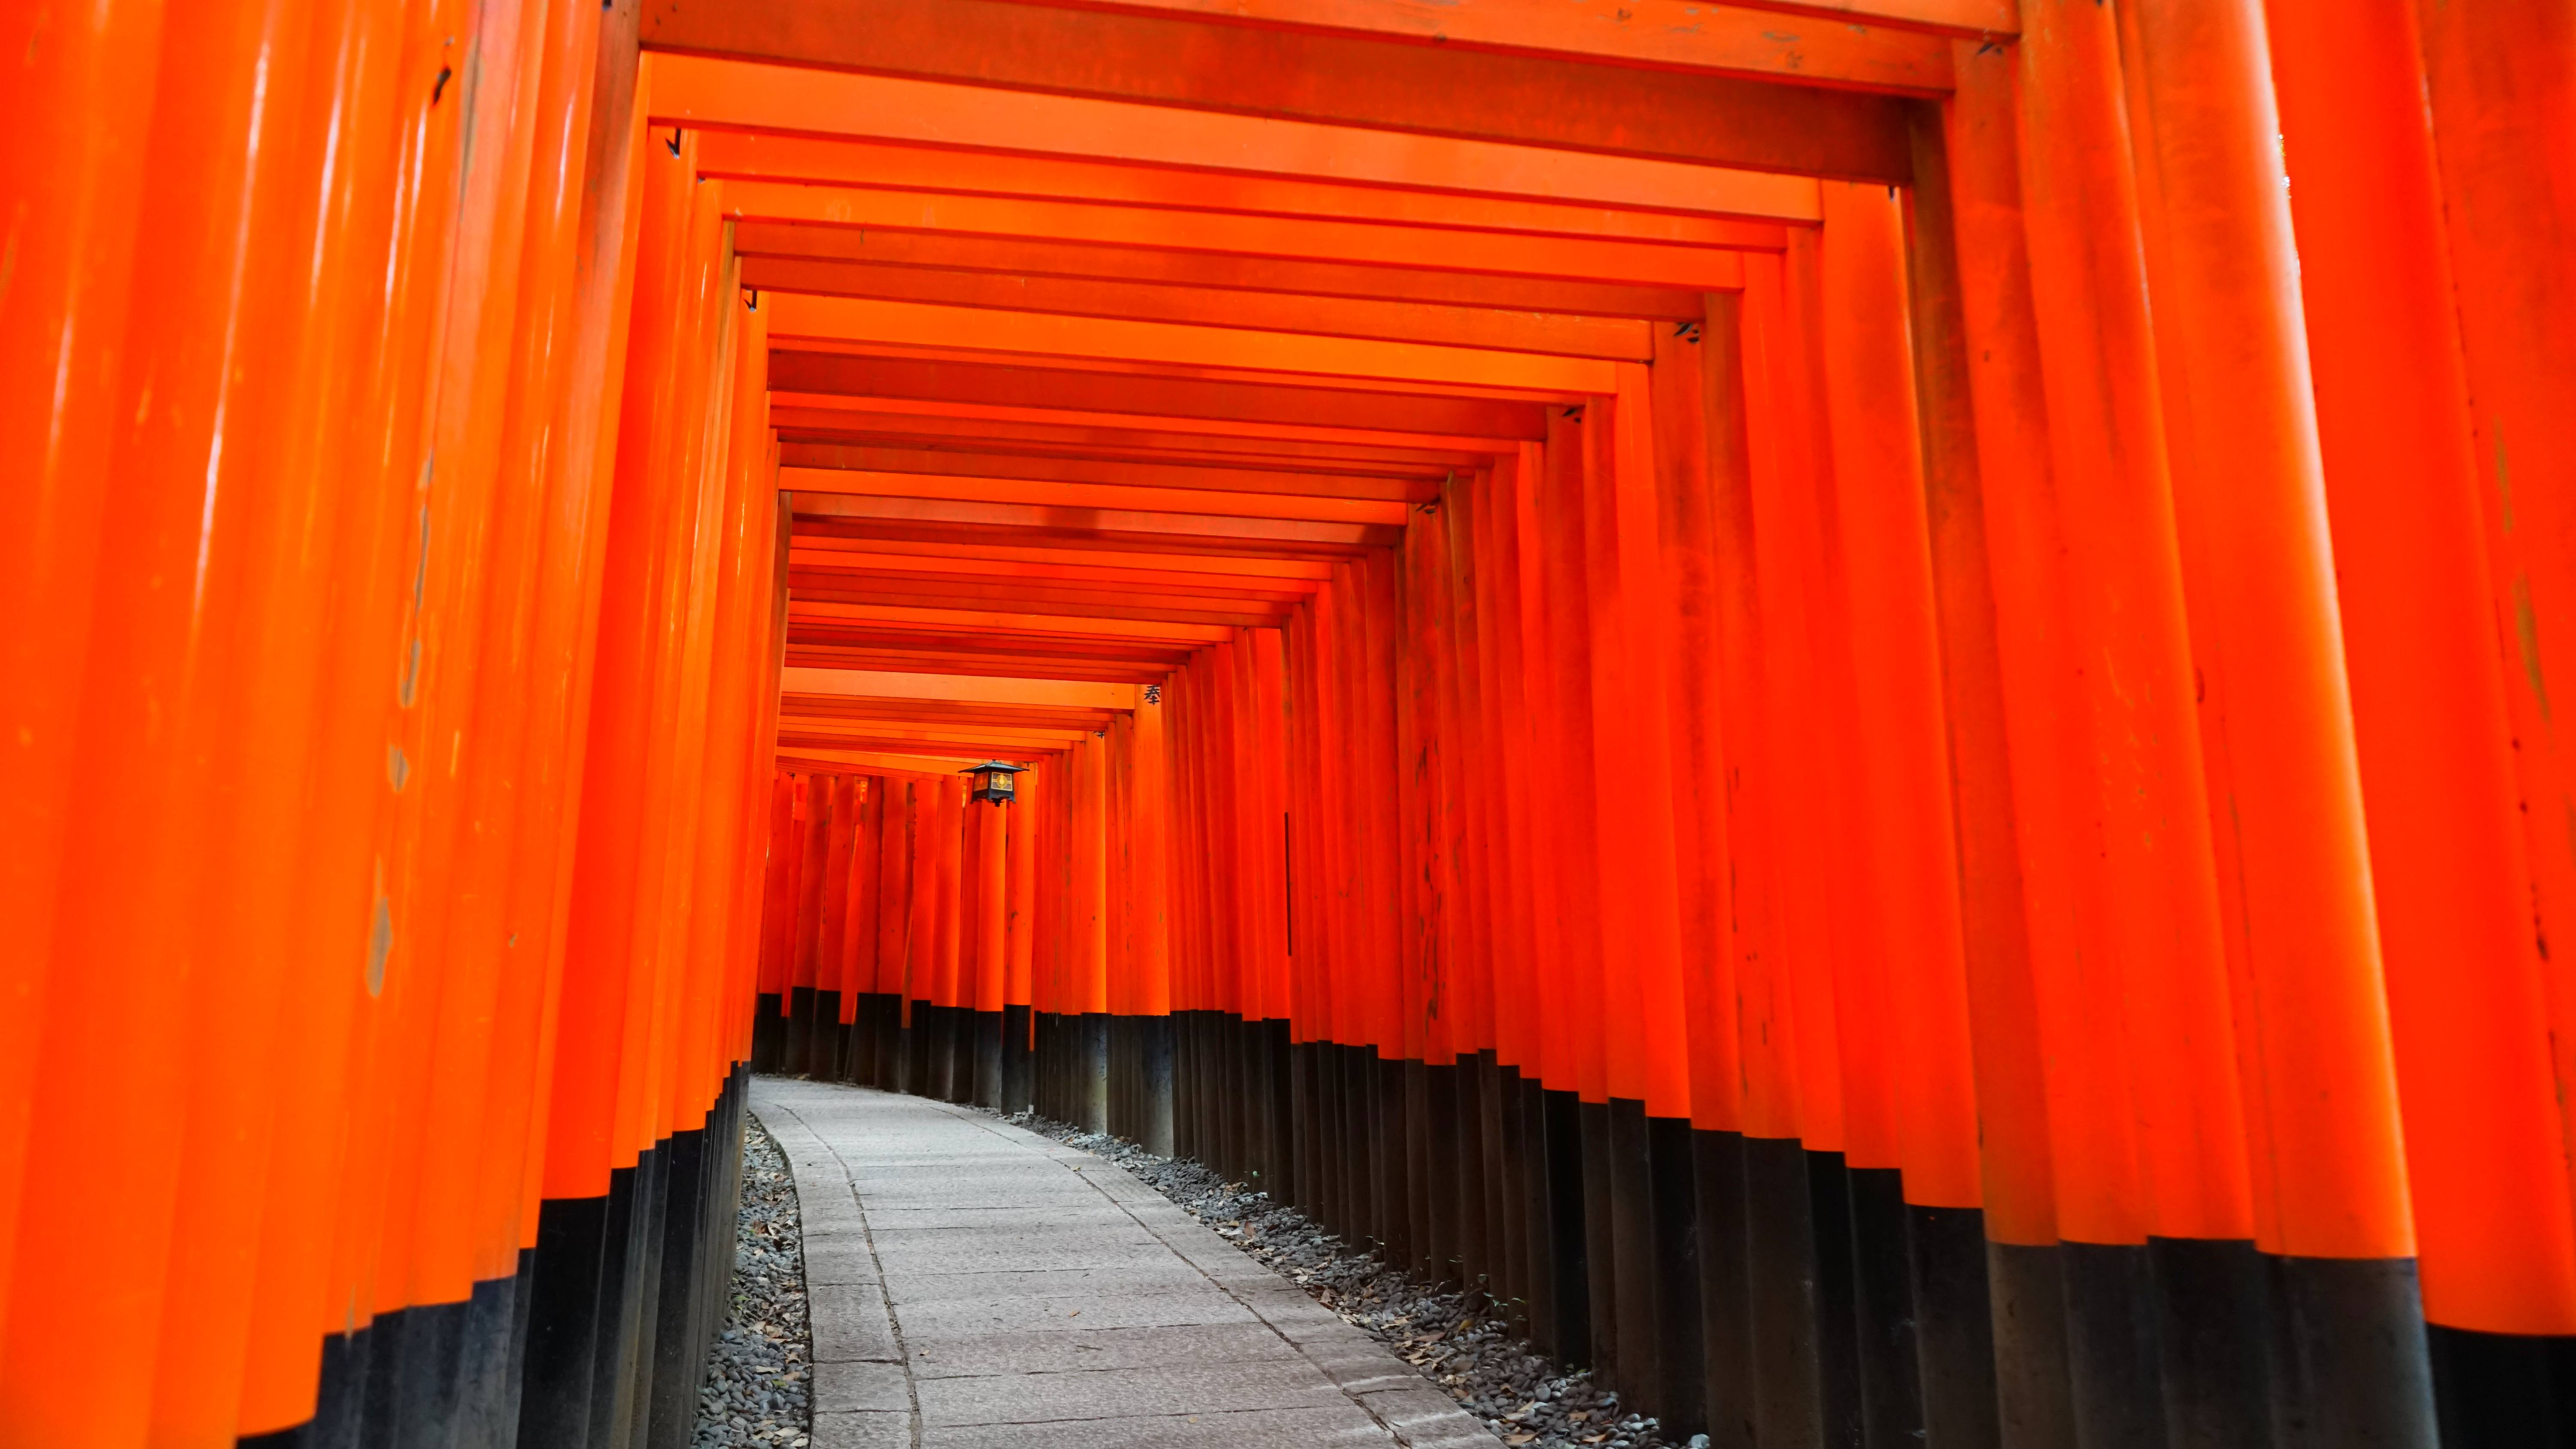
x: 989, y: 766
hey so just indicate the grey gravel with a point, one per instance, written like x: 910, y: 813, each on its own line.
x: 1459, y: 1345
x: 760, y: 1371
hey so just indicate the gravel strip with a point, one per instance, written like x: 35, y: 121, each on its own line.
x: 1500, y: 1379
x: 760, y: 1371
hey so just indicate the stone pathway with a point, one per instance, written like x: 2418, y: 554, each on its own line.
x: 973, y: 1284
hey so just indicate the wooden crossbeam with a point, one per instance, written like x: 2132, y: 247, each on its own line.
x: 1027, y: 383
x: 849, y: 162
x: 1622, y: 339
x: 1347, y: 482
x: 1246, y: 73
x: 708, y: 92
x: 1214, y: 271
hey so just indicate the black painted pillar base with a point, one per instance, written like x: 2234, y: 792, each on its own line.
x: 1837, y: 1298
x: 921, y: 1049
x: 800, y: 1032
x: 1122, y: 1076
x: 1600, y: 1237
x: 1639, y: 1364
x: 1091, y: 1072
x: 1726, y: 1305
x: 1304, y: 1107
x: 564, y: 1320
x: 1444, y: 1185
x: 986, y: 1029
x: 2113, y: 1360
x: 1508, y: 1225
x: 2033, y: 1393
x: 906, y: 1070
x: 768, y: 1033
x: 1474, y: 1076
x: 1046, y: 1065
x: 885, y: 1027
x: 1343, y: 1139
x: 1566, y: 1261
x: 670, y: 1412
x: 1154, y: 1084
x: 823, y: 1048
x: 1425, y: 1230
x: 1954, y: 1326
x: 1019, y: 1083
x: 1889, y: 1369
x: 1194, y: 1090
x: 2504, y: 1390
x: 1781, y: 1296
x: 860, y: 1068
x: 1280, y: 1163
x: 2214, y: 1326
x: 1328, y: 1139
x: 1672, y: 1179
x: 2351, y: 1367
x: 952, y: 1070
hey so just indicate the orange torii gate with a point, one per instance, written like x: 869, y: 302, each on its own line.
x: 1849, y: 699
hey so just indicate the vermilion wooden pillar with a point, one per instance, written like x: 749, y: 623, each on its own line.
x: 1019, y: 950
x: 1427, y: 866
x: 84, y: 168
x: 2134, y: 1013
x: 988, y: 981
x: 1797, y: 1201
x: 1698, y: 725
x: 2450, y: 870
x: 176, y: 632
x: 2332, y: 1202
x: 866, y: 923
x: 1999, y: 620
x: 951, y: 1063
x: 1090, y: 931
x: 1911, y: 1107
x: 2496, y: 77
x: 1648, y: 1078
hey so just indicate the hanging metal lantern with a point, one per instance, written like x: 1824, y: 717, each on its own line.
x: 991, y: 780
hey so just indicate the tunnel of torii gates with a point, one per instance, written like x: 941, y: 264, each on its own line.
x: 1715, y: 668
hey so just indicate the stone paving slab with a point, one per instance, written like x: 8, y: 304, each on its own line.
x: 977, y: 1286
x: 1152, y: 1308
x: 1239, y: 1429
x: 1046, y: 1398
x: 1069, y: 1350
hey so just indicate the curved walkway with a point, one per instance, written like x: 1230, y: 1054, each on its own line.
x: 975, y: 1285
